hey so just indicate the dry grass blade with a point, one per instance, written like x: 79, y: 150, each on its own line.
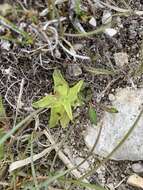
x: 62, y: 156
x: 99, y: 71
x: 21, y: 163
x: 130, y: 11
x: 99, y: 30
x: 19, y: 125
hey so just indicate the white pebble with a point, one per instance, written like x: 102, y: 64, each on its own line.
x: 110, y: 32
x: 93, y: 22
x: 107, y: 17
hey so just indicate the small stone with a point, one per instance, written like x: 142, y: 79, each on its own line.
x: 121, y: 59
x: 78, y: 46
x: 93, y: 22
x: 44, y: 12
x: 110, y: 32
x: 111, y: 97
x: 107, y: 17
x: 135, y: 181
x: 137, y: 168
x: 57, y: 54
x: 74, y: 70
x: 5, y: 45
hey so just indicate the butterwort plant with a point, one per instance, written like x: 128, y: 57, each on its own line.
x: 62, y: 101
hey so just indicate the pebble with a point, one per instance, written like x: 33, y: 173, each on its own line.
x: 121, y: 59
x: 5, y: 45
x: 78, y: 46
x: 93, y: 22
x: 111, y: 97
x: 110, y: 32
x: 135, y: 181
x: 137, y: 168
x: 107, y: 17
x: 74, y: 70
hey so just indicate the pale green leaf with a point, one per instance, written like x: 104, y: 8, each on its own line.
x: 46, y: 102
x: 54, y: 118
x: 92, y: 115
x: 2, y: 110
x: 73, y: 92
x: 62, y: 90
x: 59, y: 80
x: 2, y: 133
x: 68, y: 109
x: 64, y: 120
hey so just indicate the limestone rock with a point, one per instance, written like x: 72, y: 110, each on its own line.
x: 137, y: 168
x: 121, y: 59
x: 110, y: 32
x: 128, y: 102
x: 74, y: 70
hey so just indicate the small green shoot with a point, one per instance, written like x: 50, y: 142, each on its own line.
x: 5, y: 22
x: 2, y: 132
x: 92, y: 115
x: 61, y: 102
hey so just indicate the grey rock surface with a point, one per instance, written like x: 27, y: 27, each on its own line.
x: 74, y: 70
x: 121, y: 59
x: 128, y: 102
x: 137, y: 168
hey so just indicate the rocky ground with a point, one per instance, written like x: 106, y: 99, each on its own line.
x: 107, y: 59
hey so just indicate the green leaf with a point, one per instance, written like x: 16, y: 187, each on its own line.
x: 46, y: 102
x: 62, y: 90
x: 73, y: 92
x: 111, y: 110
x: 54, y: 117
x: 58, y: 78
x: 68, y: 109
x: 2, y: 133
x: 61, y: 102
x: 64, y: 120
x: 92, y: 115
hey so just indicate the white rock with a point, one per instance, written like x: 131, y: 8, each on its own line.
x: 84, y: 167
x: 5, y: 45
x: 121, y: 59
x: 135, y: 181
x: 93, y: 22
x: 128, y: 102
x: 110, y: 32
x: 78, y: 46
x: 137, y: 168
x: 107, y: 17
